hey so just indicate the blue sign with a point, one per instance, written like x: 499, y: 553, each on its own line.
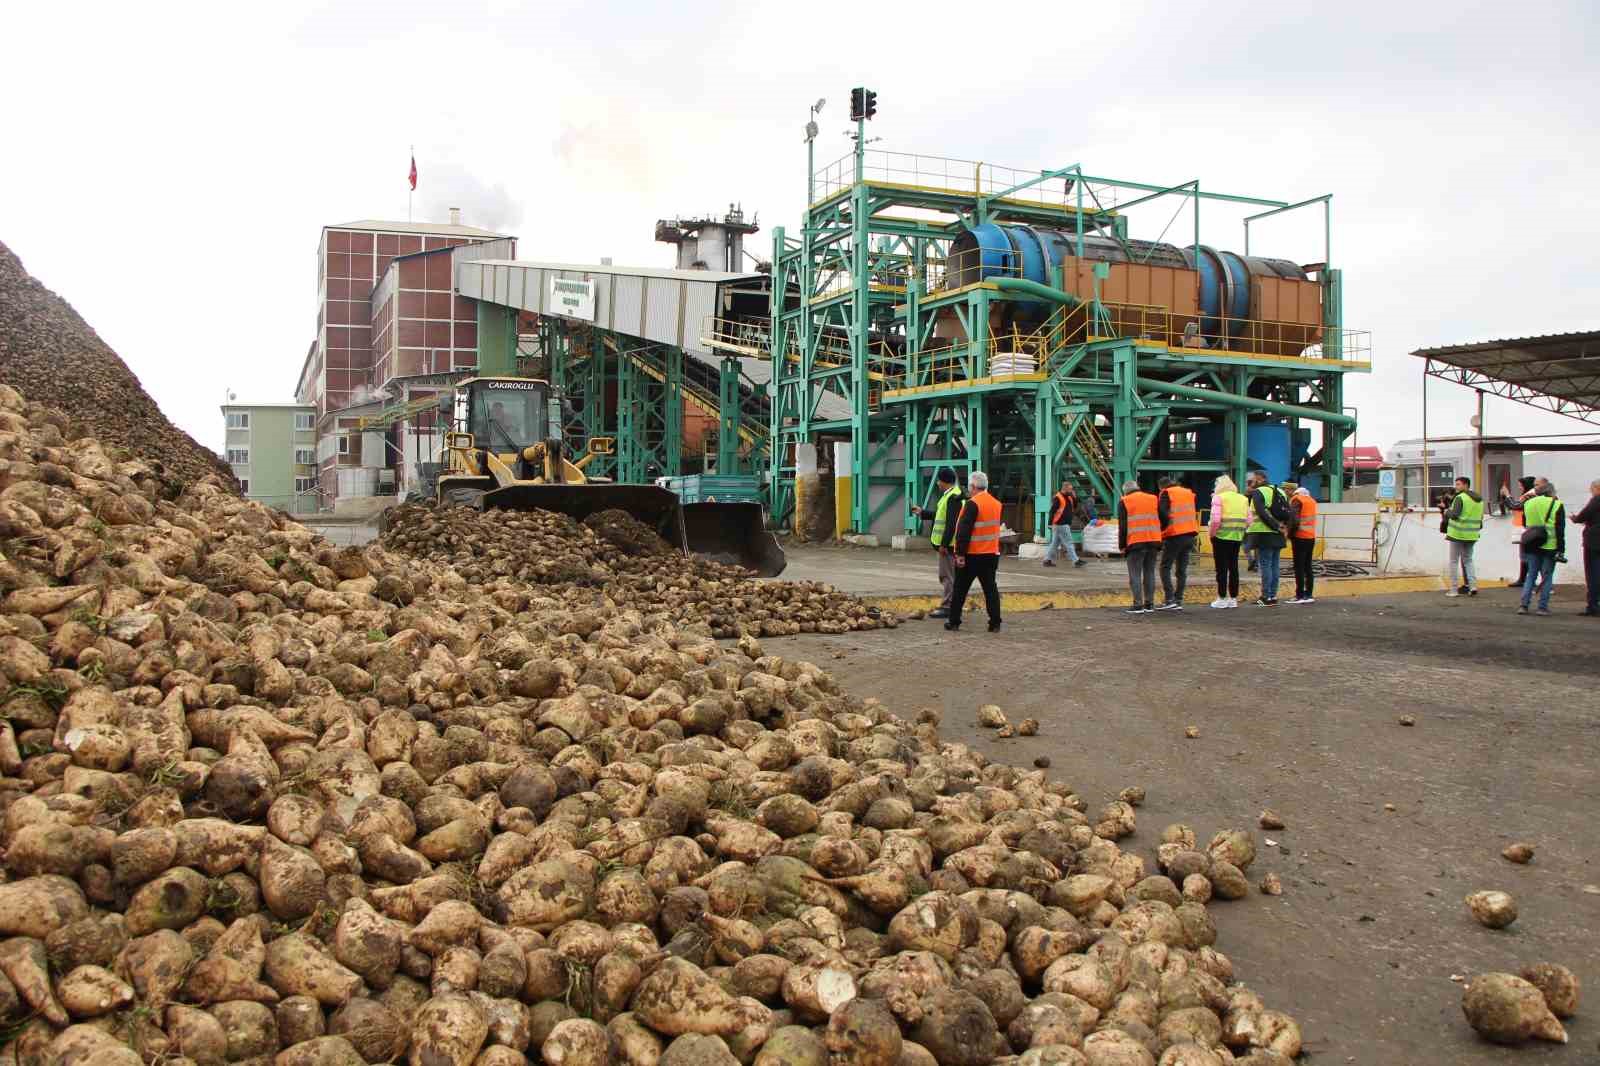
x: 1386, y: 487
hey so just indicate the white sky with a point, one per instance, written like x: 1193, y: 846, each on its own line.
x: 166, y: 167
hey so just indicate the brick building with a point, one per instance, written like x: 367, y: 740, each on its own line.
x: 390, y: 330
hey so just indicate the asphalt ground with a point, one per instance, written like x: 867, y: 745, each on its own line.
x: 1298, y: 710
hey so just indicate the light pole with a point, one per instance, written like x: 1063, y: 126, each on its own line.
x: 811, y: 137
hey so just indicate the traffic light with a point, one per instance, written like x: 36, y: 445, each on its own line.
x: 863, y: 104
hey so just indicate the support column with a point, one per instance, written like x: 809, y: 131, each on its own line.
x: 916, y: 479
x: 672, y: 404
x: 1238, y: 423
x: 1333, y: 438
x: 630, y: 419
x: 1046, y: 434
x: 778, y: 487
x: 860, y: 323
x: 728, y: 416
x: 1124, y: 434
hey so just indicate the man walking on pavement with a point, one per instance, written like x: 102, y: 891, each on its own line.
x: 943, y: 533
x: 1179, y: 528
x: 1543, y: 514
x: 1265, y: 533
x: 1463, y: 527
x: 977, y: 551
x: 1589, y: 519
x: 1139, y: 537
x: 1062, y: 507
x: 1302, y: 542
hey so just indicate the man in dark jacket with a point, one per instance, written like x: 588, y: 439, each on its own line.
x: 1589, y: 519
x: 1063, y: 506
x: 943, y: 535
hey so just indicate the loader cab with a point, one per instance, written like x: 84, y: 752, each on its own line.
x: 505, y: 415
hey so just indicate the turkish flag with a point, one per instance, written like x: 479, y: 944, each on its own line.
x: 413, y: 172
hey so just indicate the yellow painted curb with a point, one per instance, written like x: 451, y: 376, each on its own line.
x: 1327, y: 588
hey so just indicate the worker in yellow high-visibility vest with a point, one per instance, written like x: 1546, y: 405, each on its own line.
x: 943, y: 534
x: 1463, y: 527
x: 1544, y: 544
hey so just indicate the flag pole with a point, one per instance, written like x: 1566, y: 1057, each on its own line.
x: 413, y: 189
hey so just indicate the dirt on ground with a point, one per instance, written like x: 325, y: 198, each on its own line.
x: 1298, y: 710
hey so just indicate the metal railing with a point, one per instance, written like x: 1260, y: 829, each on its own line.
x: 963, y: 269
x: 739, y: 335
x: 968, y: 177
x: 1199, y: 334
x: 1009, y: 356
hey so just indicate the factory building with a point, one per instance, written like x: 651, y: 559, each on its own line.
x: 926, y: 312
x: 390, y: 331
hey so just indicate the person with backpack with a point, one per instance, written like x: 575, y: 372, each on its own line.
x: 1463, y: 526
x: 1544, y: 544
x: 1269, y: 510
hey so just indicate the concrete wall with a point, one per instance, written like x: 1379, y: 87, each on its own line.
x: 1412, y: 543
x: 892, y: 522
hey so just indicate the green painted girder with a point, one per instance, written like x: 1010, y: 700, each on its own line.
x: 1279, y: 368
x: 1089, y: 179
x: 1183, y: 464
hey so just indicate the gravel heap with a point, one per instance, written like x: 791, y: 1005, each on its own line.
x: 613, y: 561
x: 49, y: 353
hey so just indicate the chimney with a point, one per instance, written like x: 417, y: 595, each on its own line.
x: 455, y: 216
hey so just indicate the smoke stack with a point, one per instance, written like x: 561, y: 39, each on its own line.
x: 455, y: 216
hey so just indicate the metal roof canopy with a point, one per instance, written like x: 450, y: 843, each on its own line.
x: 1557, y: 372
x: 662, y: 306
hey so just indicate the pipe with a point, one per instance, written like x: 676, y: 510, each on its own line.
x: 1228, y: 399
x: 1033, y: 288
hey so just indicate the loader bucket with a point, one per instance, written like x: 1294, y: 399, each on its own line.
x: 654, y: 506
x: 733, y: 533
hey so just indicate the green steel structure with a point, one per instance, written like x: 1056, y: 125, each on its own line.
x: 868, y: 306
x: 634, y: 391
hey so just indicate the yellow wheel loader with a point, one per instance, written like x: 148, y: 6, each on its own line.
x: 504, y: 450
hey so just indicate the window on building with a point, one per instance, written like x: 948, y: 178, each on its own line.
x: 238, y: 419
x: 244, y: 485
x: 239, y: 456
x: 302, y: 421
x: 305, y: 484
x: 344, y: 444
x: 305, y: 456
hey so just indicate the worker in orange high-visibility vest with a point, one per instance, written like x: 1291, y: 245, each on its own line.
x: 977, y: 551
x: 1139, y: 537
x: 1302, y: 539
x: 1180, y: 527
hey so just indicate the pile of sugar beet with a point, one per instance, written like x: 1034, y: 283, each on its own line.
x: 269, y: 800
x: 614, y: 559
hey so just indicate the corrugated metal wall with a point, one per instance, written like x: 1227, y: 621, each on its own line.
x: 663, y: 310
